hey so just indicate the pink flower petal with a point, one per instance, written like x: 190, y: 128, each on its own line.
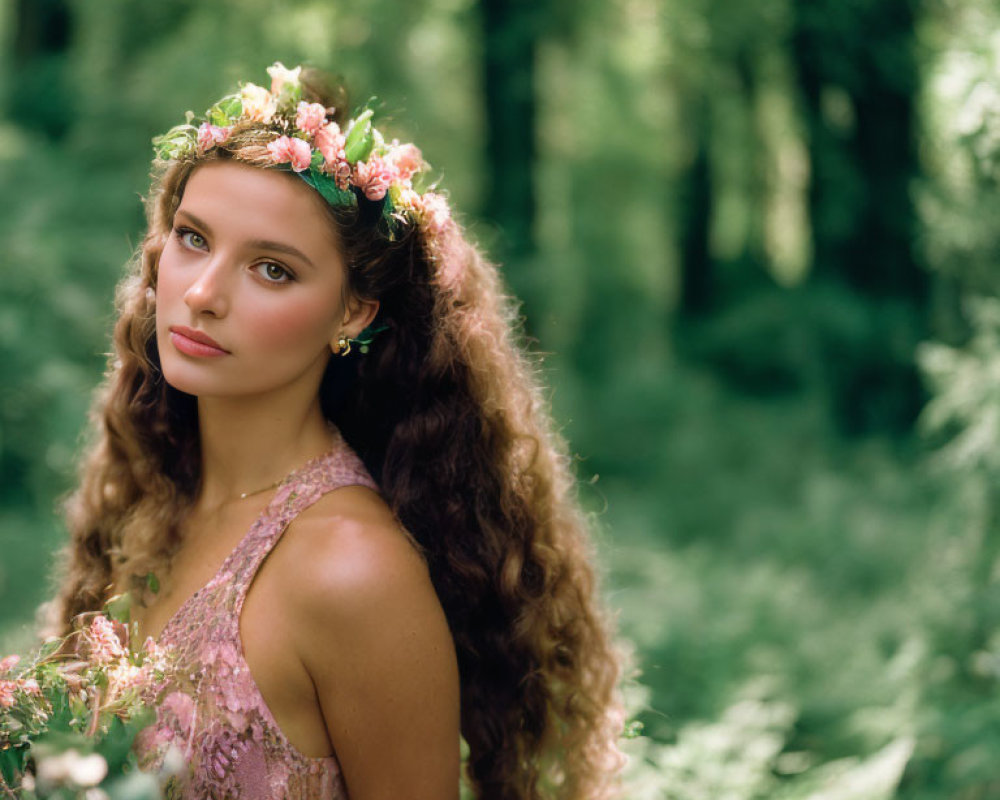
x: 309, y: 117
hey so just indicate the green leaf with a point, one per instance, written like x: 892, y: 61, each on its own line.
x: 116, y: 745
x: 12, y: 764
x: 225, y: 111
x: 62, y: 715
x: 368, y: 334
x: 289, y: 96
x: 327, y: 187
x: 360, y: 141
x: 48, y: 648
x: 178, y: 142
x: 119, y: 608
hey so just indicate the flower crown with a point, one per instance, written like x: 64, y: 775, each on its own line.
x: 342, y: 165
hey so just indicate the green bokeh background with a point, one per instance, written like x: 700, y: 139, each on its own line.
x: 757, y: 243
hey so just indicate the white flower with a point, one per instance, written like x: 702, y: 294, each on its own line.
x: 259, y: 104
x: 280, y: 75
x: 72, y: 767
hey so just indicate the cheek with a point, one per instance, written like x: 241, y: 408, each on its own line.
x: 170, y: 275
x: 286, y: 324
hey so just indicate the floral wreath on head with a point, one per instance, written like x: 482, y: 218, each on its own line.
x: 344, y: 166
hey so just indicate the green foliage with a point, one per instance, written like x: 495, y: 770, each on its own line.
x: 814, y: 616
x: 360, y: 138
x: 966, y: 386
x: 178, y: 142
x: 744, y: 756
x: 323, y: 184
x: 225, y: 111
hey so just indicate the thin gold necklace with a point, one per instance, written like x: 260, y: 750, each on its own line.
x: 330, y: 426
x: 274, y: 485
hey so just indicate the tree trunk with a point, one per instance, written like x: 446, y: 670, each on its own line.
x: 39, y: 98
x: 857, y: 72
x: 695, y: 210
x: 511, y: 30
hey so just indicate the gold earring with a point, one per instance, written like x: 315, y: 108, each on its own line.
x: 343, y: 346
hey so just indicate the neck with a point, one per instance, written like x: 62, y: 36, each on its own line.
x: 247, y: 444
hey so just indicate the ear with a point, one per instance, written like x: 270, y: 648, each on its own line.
x: 357, y: 316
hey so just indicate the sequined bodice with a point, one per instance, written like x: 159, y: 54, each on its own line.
x: 209, y: 707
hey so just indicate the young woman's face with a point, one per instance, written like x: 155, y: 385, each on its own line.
x: 252, y: 265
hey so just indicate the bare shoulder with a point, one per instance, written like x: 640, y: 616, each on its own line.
x: 346, y: 552
x: 366, y: 624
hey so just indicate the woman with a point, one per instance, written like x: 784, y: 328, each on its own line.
x: 323, y: 468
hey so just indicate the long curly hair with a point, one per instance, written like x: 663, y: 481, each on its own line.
x: 447, y: 413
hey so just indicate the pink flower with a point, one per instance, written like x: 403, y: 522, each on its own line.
x: 210, y: 135
x: 153, y: 654
x: 105, y: 646
x: 373, y: 177
x: 405, y: 198
x: 7, y: 689
x: 407, y: 159
x: 341, y: 172
x: 9, y: 663
x: 310, y: 117
x: 330, y: 142
x: 287, y: 149
x: 30, y: 685
x: 434, y: 214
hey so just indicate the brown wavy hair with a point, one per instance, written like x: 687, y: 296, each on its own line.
x: 447, y: 413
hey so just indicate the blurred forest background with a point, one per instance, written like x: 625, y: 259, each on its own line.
x: 758, y: 243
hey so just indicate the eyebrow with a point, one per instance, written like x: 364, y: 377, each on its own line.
x: 260, y: 244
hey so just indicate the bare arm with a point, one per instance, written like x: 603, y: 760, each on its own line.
x: 371, y: 633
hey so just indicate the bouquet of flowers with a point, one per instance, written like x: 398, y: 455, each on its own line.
x: 69, y: 715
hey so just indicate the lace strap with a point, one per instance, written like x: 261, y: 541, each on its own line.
x: 340, y: 467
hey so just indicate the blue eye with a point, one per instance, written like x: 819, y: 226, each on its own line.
x: 272, y: 272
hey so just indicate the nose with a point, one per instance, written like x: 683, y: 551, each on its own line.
x: 209, y: 294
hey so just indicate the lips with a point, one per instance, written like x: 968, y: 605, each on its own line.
x: 193, y: 342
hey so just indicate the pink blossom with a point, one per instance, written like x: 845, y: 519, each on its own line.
x: 7, y: 689
x: 8, y: 663
x: 287, y: 149
x: 210, y: 135
x: 404, y: 197
x: 373, y: 177
x: 330, y: 142
x: 341, y: 172
x: 310, y: 117
x: 105, y: 646
x: 153, y: 654
x: 407, y: 159
x: 30, y: 685
x: 435, y: 213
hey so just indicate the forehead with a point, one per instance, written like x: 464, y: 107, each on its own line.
x: 249, y: 202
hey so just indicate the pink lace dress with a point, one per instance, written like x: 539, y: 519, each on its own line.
x: 209, y: 707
